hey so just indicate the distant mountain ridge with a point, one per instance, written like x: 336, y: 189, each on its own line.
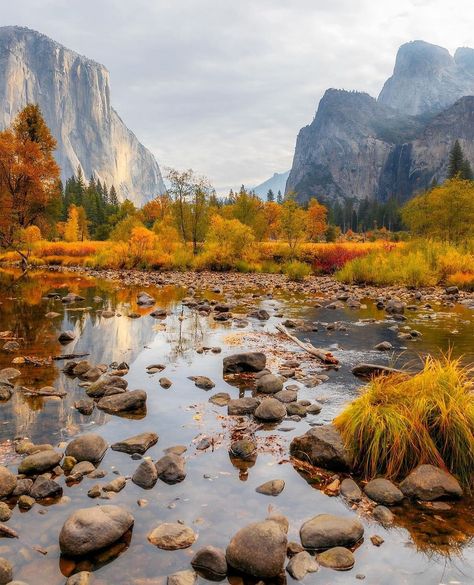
x: 358, y: 146
x: 275, y: 183
x: 73, y: 93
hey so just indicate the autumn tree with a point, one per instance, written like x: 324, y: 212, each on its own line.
x: 272, y: 215
x: 71, y: 228
x: 157, y: 210
x: 445, y: 213
x: 191, y: 202
x: 316, y: 220
x: 29, y: 177
x: 293, y: 222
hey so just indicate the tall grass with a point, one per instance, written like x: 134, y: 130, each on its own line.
x: 399, y: 422
x: 417, y: 264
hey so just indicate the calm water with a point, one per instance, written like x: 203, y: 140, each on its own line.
x: 216, y: 498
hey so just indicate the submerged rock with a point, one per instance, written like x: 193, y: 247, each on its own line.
x: 327, y: 530
x: 89, y: 447
x: 220, y: 399
x: 258, y: 549
x: 172, y: 536
x: 244, y: 362
x: 429, y: 483
x: 91, y: 529
x: 323, y: 447
x: 186, y: 577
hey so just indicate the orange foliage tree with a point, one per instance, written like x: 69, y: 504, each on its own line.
x: 29, y: 177
x: 316, y: 220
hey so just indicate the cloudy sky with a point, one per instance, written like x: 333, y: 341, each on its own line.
x: 223, y: 86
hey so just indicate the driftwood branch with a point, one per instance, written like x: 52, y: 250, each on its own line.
x: 323, y: 355
x: 367, y: 371
x: 70, y: 356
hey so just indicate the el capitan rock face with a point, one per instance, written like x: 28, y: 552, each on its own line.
x: 73, y: 93
x: 358, y: 147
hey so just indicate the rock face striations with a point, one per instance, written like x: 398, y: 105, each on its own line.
x: 358, y: 147
x: 73, y: 93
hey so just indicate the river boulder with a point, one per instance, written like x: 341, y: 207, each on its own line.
x: 327, y: 531
x: 252, y: 361
x: 91, y: 529
x: 89, y: 447
x: 429, y: 483
x: 258, y: 549
x: 323, y: 447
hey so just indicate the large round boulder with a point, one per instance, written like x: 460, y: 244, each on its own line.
x: 258, y: 549
x: 90, y: 447
x: 429, y: 483
x: 91, y: 529
x: 327, y: 531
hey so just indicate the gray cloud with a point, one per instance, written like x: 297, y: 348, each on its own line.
x: 224, y: 86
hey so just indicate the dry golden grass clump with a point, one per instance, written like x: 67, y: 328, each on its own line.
x: 399, y: 422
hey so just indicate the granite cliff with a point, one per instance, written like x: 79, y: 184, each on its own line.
x: 358, y: 146
x: 73, y: 93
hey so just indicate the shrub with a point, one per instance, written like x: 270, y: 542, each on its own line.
x: 399, y: 422
x: 463, y: 280
x: 296, y: 270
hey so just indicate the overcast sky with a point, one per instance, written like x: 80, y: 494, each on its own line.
x: 223, y: 86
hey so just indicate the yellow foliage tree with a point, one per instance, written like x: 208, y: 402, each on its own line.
x: 228, y: 241
x: 141, y: 241
x: 293, y: 223
x: 71, y: 228
x: 445, y: 213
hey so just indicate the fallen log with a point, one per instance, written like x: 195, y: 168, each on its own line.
x: 70, y: 356
x: 323, y: 355
x: 366, y: 371
x: 8, y: 532
x: 46, y: 391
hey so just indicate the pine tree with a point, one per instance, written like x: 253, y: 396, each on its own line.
x: 113, y: 199
x: 456, y: 161
x: 279, y: 197
x: 270, y: 196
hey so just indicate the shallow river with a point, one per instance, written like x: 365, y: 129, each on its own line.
x: 217, y: 498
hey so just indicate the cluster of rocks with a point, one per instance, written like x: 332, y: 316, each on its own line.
x: 271, y: 402
x: 106, y: 388
x: 323, y: 447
